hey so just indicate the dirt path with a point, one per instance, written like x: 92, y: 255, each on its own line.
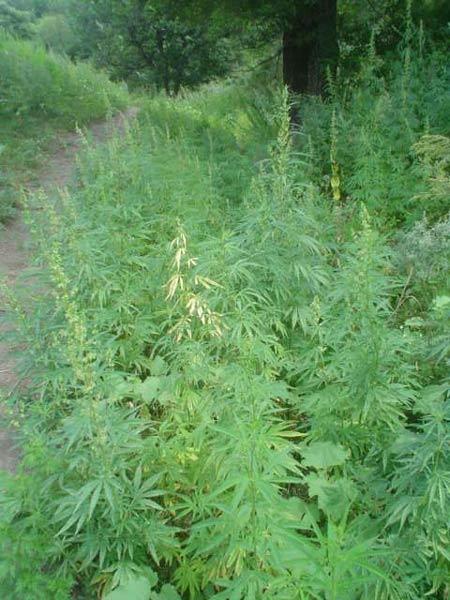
x: 56, y: 173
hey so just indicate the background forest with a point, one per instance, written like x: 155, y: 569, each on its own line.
x: 234, y: 336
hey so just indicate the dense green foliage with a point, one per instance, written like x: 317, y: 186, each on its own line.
x: 239, y: 386
x: 34, y: 81
x: 56, y: 33
x: 145, y: 43
x: 148, y: 45
x: 43, y: 20
x: 40, y: 93
x: 169, y: 44
x: 15, y: 21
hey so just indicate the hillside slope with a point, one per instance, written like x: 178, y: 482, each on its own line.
x: 42, y: 93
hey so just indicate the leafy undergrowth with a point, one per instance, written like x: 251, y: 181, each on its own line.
x: 41, y: 94
x: 239, y: 386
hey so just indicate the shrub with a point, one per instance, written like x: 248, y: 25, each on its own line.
x: 15, y: 21
x: 378, y: 127
x: 56, y: 33
x: 36, y: 82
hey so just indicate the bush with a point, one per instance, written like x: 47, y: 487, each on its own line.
x: 56, y: 33
x: 15, y: 21
x: 35, y: 82
x: 374, y: 148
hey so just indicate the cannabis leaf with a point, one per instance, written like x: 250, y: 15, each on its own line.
x: 323, y: 455
x: 138, y: 588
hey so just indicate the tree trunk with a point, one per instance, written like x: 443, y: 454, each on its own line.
x: 309, y: 45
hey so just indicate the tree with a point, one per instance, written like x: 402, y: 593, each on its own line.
x: 386, y: 21
x: 307, y: 28
x: 15, y: 21
x: 55, y: 32
x: 173, y: 53
x: 309, y: 45
x: 146, y: 42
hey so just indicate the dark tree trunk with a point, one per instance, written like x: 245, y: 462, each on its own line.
x: 309, y: 45
x: 160, y: 35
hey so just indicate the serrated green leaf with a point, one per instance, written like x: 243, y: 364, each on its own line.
x: 94, y: 499
x: 323, y: 455
x: 158, y: 366
x: 334, y: 497
x: 149, y: 388
x: 138, y: 588
x: 168, y: 592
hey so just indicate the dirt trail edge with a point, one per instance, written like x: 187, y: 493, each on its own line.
x: 55, y: 174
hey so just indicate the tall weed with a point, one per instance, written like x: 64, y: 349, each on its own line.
x: 228, y: 401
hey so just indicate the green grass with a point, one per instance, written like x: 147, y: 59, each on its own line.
x: 41, y: 94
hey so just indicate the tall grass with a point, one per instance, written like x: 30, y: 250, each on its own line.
x: 42, y: 92
x: 232, y: 396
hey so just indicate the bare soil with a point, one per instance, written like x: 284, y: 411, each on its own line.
x: 55, y: 174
